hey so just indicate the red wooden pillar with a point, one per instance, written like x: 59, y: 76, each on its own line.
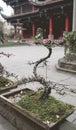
x: 50, y: 26
x: 67, y: 24
x: 33, y: 29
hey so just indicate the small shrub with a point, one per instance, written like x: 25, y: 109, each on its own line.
x: 70, y: 42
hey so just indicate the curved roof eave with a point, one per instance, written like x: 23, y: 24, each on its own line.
x: 8, y: 18
x: 4, y: 16
x: 45, y: 2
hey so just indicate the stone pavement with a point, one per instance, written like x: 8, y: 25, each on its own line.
x: 65, y: 88
x: 69, y: 123
x: 5, y: 125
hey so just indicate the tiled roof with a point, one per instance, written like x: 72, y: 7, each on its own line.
x: 38, y: 3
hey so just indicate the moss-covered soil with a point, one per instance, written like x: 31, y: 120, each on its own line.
x: 4, y: 83
x: 47, y: 110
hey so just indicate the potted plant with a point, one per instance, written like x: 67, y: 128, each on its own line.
x: 34, y: 110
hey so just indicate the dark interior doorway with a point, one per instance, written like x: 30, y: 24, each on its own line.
x: 58, y: 26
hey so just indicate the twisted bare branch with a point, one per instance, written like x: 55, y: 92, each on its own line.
x: 48, y: 45
x: 5, y: 54
x: 37, y: 78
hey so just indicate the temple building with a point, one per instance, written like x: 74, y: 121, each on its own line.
x: 53, y: 16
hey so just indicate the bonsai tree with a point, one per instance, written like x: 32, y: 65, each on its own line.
x: 37, y: 78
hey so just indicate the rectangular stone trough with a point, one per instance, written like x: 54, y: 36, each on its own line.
x: 20, y: 119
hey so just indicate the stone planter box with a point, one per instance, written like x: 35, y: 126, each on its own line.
x: 20, y: 119
x: 67, y: 66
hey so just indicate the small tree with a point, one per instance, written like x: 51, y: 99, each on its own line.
x: 47, y: 85
x: 39, y: 35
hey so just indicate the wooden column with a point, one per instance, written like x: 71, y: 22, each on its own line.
x: 50, y: 26
x: 21, y: 10
x: 14, y: 31
x: 14, y: 12
x: 33, y: 29
x: 23, y: 32
x: 67, y: 24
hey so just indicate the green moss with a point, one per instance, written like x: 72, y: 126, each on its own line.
x: 49, y: 109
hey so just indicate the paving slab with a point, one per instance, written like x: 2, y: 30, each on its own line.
x: 72, y: 118
x: 67, y: 126
x: 5, y: 125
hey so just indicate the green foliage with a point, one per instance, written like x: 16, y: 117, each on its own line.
x: 39, y: 32
x: 1, y: 29
x: 3, y: 82
x: 71, y: 36
x: 49, y: 109
x: 39, y: 36
x: 70, y: 42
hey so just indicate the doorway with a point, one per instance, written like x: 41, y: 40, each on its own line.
x: 58, y: 26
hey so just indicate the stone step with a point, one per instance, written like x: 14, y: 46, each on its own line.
x: 66, y: 125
